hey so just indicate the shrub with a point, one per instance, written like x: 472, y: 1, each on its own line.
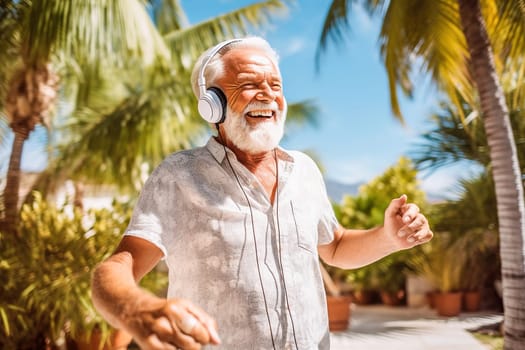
x: 46, y: 272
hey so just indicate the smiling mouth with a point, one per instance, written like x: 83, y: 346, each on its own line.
x: 266, y: 114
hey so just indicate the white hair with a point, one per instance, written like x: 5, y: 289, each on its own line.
x: 215, y: 68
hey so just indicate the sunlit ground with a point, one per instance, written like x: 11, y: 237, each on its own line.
x: 495, y: 342
x: 378, y: 327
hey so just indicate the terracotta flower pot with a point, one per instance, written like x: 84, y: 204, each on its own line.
x: 471, y: 301
x: 363, y: 297
x: 448, y: 304
x: 392, y: 298
x: 338, y: 312
x: 431, y: 299
x: 118, y: 340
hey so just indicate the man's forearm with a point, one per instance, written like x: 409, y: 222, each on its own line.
x: 356, y: 248
x: 114, y: 290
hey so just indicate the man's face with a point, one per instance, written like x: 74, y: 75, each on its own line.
x: 256, y: 105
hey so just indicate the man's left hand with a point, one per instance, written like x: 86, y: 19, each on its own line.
x: 405, y: 224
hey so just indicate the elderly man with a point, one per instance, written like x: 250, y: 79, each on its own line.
x: 241, y: 223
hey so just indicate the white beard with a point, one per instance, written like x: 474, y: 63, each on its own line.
x: 263, y: 137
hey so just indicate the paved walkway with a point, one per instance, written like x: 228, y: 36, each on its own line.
x: 400, y: 328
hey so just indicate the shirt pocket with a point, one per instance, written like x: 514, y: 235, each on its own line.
x: 304, y: 227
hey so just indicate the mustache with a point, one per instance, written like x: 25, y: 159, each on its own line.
x: 256, y: 106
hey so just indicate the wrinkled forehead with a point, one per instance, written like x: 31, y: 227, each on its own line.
x: 248, y: 59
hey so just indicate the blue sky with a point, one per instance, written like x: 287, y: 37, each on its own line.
x: 357, y: 137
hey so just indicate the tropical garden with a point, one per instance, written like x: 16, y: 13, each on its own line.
x: 473, y: 50
x: 104, y: 87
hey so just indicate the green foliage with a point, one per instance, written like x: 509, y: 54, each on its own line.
x: 459, y: 262
x: 472, y: 224
x: 451, y: 139
x: 46, y: 271
x: 475, y: 209
x: 366, y: 210
x: 442, y: 262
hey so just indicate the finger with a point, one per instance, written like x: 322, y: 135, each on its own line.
x: 166, y: 334
x: 154, y: 343
x: 208, y: 322
x: 421, y: 236
x: 409, y: 212
x: 417, y: 222
x: 181, y: 339
x: 404, y: 232
x: 186, y: 342
x: 186, y: 324
x: 162, y: 328
x: 395, y: 206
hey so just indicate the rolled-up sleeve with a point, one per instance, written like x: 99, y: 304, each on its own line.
x: 151, y: 219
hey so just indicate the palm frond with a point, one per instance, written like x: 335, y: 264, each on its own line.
x: 145, y: 127
x: 507, y: 36
x: 91, y: 31
x: 194, y: 40
x: 451, y: 141
x: 435, y: 38
x: 170, y: 16
x: 301, y: 113
x: 335, y: 25
x: 11, y: 14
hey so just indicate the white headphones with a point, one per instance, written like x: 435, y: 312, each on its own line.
x: 212, y: 101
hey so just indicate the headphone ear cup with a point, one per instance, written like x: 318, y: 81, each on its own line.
x: 212, y: 106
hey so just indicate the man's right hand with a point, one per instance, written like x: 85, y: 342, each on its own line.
x: 154, y: 322
x: 170, y: 324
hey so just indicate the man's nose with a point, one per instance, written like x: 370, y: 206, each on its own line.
x: 266, y: 93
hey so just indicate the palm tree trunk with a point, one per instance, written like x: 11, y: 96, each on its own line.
x: 505, y: 168
x: 32, y: 91
x: 12, y: 187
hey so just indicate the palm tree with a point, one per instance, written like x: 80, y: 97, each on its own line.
x: 463, y: 45
x: 130, y: 77
x: 34, y: 35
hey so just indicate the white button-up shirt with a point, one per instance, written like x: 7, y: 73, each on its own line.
x: 251, y: 265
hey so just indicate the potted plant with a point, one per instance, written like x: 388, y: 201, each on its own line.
x: 442, y: 262
x: 390, y: 275
x: 47, y: 273
x: 363, y: 283
x: 338, y: 304
x: 480, y: 246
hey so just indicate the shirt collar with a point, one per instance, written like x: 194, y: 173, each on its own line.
x: 217, y: 151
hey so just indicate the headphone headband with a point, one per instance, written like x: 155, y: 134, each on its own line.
x: 212, y: 101
x: 201, y: 80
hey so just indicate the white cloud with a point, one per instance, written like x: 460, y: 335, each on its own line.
x: 292, y: 47
x: 445, y: 181
x: 441, y: 183
x: 351, y: 171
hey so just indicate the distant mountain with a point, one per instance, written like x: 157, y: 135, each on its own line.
x: 336, y: 190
